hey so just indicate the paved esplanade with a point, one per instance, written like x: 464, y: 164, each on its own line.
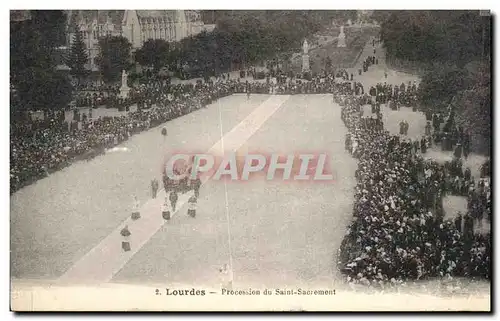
x: 65, y: 227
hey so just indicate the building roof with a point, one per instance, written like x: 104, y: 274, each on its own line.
x: 116, y: 16
x: 168, y: 15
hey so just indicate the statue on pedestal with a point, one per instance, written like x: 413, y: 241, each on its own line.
x: 341, y: 42
x: 124, y: 78
x: 305, y: 57
x: 124, y: 89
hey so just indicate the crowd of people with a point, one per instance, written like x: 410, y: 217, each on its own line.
x: 110, y: 98
x: 369, y: 61
x: 92, y: 99
x: 94, y: 87
x: 395, y: 96
x: 39, y: 147
x: 317, y: 85
x: 399, y: 232
x: 290, y: 84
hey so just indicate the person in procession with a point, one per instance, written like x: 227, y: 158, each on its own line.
x: 173, y: 197
x: 154, y: 187
x: 136, y: 214
x: 192, y: 206
x: 226, y: 278
x: 125, y: 233
x: 165, y: 210
x: 195, y: 185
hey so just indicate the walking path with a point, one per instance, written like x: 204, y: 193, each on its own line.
x: 101, y: 263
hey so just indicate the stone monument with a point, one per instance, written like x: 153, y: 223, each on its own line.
x: 341, y: 43
x: 124, y: 89
x: 305, y: 57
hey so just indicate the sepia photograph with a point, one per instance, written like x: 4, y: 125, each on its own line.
x: 250, y: 160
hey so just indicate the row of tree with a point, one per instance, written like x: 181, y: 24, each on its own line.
x: 240, y: 39
x: 455, y: 47
x: 34, y: 80
x: 114, y: 56
x: 437, y: 36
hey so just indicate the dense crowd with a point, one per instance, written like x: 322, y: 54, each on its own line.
x: 395, y: 96
x: 399, y: 232
x: 110, y: 98
x: 94, y: 87
x: 39, y: 147
x: 43, y: 146
x: 291, y: 84
x: 369, y: 61
x: 93, y: 99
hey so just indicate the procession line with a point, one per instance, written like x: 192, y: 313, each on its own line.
x: 106, y: 259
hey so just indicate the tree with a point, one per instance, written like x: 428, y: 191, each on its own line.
x: 36, y: 83
x: 435, y: 36
x: 43, y: 89
x: 33, y: 41
x: 442, y: 41
x: 224, y: 50
x: 114, y: 56
x: 78, y: 57
x: 51, y: 25
x: 199, y: 52
x: 381, y: 16
x: 474, y: 114
x: 440, y: 85
x: 242, y: 38
x: 340, y: 16
x: 154, y: 53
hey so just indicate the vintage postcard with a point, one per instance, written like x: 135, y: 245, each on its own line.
x: 265, y: 160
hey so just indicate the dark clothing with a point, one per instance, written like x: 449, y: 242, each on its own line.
x: 125, y: 232
x: 423, y: 146
x: 428, y: 129
x: 196, y: 184
x: 468, y: 226
x: 458, y: 223
x: 154, y: 187
x: 458, y: 151
x: 173, y: 199
x: 467, y: 174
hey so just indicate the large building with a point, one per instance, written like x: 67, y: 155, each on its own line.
x: 136, y: 25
